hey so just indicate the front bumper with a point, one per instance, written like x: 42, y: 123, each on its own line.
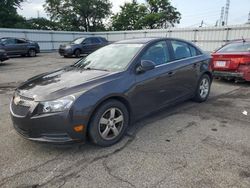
x: 54, y: 128
x: 4, y: 57
x: 65, y: 52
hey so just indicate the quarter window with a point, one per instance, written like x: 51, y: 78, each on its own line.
x: 158, y: 53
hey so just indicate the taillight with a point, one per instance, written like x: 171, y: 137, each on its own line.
x: 244, y: 61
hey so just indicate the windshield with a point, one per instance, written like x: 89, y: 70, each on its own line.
x: 78, y: 41
x: 114, y: 57
x: 236, y: 47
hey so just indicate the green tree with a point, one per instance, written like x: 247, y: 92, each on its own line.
x: 8, y: 14
x: 86, y: 15
x: 154, y: 14
x: 161, y: 14
x: 130, y: 17
x: 42, y: 24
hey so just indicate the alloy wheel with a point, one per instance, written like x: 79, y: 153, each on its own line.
x: 204, y: 88
x: 111, y: 123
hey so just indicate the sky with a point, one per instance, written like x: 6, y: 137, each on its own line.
x: 193, y: 11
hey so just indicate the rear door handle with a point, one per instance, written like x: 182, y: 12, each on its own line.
x: 171, y: 73
x: 195, y: 65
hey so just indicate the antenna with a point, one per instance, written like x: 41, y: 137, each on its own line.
x: 227, y: 12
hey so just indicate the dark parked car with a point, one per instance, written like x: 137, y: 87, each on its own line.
x: 15, y: 46
x: 82, y: 46
x: 100, y: 95
x: 232, y: 61
x: 3, y: 55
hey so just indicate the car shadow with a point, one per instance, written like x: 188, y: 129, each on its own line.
x: 131, y: 132
x: 233, y: 82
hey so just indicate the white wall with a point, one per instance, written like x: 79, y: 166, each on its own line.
x: 208, y: 38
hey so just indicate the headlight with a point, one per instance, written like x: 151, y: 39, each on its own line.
x: 68, y: 47
x: 57, y: 105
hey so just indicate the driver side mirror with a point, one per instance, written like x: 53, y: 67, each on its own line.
x: 145, y: 66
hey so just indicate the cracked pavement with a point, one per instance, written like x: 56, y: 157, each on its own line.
x: 189, y: 145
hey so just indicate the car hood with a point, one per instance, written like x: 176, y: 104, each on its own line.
x: 61, y: 83
x: 68, y: 44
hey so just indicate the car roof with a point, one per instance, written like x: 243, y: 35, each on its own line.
x: 147, y: 40
x: 239, y: 40
x: 13, y: 38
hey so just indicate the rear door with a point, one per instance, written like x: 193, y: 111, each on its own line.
x: 87, y: 46
x: 96, y: 43
x: 21, y: 46
x: 186, y: 61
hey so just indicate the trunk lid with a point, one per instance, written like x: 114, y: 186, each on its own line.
x: 230, y: 61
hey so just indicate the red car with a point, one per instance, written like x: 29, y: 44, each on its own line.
x: 232, y: 61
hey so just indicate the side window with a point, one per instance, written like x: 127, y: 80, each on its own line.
x: 181, y: 50
x: 20, y: 41
x: 158, y: 53
x: 95, y: 41
x: 87, y: 41
x: 9, y: 41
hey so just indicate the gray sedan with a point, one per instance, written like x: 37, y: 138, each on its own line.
x: 99, y: 96
x: 16, y: 46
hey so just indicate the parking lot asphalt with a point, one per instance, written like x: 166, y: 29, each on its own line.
x: 189, y: 145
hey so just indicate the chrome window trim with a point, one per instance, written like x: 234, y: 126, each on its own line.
x: 175, y: 61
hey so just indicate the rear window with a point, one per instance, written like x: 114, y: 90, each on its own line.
x: 236, y: 47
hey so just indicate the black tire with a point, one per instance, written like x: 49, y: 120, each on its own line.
x: 32, y: 53
x: 96, y: 128
x: 198, y: 93
x: 77, y: 53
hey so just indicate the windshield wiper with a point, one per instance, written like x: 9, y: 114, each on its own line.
x: 91, y: 68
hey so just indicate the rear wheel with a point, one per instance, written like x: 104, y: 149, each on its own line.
x: 32, y: 53
x: 203, y: 89
x: 77, y: 53
x: 109, y: 123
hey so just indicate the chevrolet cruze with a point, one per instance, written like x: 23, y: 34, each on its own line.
x: 99, y: 96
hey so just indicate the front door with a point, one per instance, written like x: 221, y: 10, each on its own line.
x: 154, y: 88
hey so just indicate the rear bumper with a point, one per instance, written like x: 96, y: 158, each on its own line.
x: 243, y: 72
x: 228, y: 74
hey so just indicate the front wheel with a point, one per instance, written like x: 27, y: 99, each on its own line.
x: 203, y: 89
x: 77, y: 53
x: 32, y: 53
x: 109, y: 123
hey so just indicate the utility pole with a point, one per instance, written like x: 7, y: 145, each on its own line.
x: 222, y: 17
x: 227, y: 12
x: 248, y: 18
